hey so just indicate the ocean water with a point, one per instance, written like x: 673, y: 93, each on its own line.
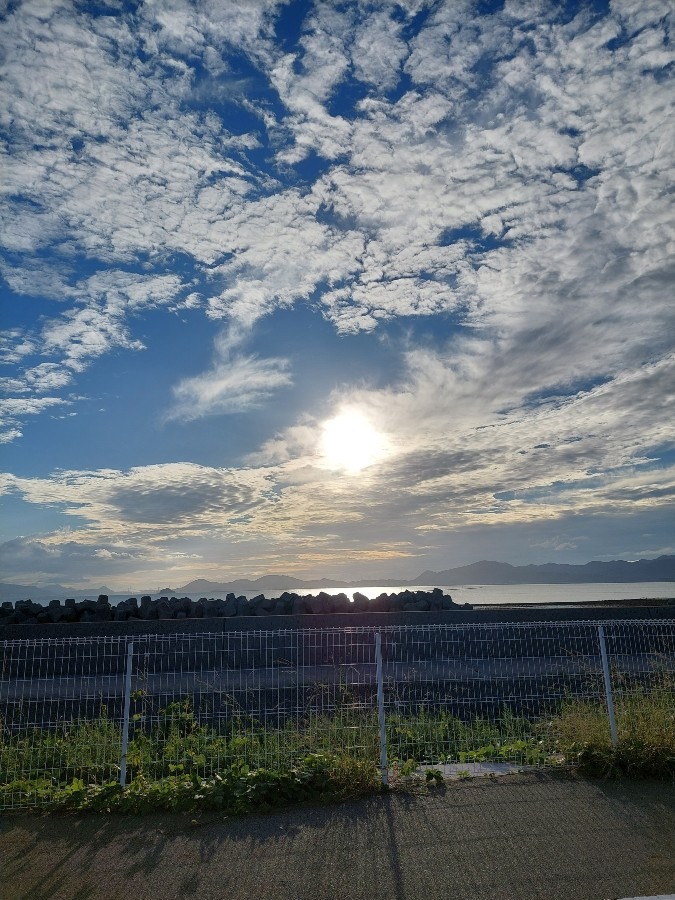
x: 492, y: 594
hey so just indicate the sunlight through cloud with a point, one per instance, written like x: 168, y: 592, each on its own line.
x: 350, y: 443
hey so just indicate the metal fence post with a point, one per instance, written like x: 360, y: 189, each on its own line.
x: 127, y: 705
x: 380, y: 710
x: 608, y: 685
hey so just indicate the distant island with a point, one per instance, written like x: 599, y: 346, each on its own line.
x: 484, y: 572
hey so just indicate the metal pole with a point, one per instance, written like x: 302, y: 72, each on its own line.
x: 127, y: 705
x: 380, y: 710
x: 608, y: 684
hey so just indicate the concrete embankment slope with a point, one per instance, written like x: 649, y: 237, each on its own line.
x: 277, y: 661
x: 496, y: 615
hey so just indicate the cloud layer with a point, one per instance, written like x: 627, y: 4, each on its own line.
x: 499, y: 182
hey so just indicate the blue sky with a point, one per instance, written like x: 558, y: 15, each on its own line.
x: 334, y: 288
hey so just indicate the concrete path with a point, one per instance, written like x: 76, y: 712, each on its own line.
x: 522, y: 837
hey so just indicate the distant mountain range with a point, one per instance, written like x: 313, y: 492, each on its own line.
x: 618, y: 570
x: 46, y: 592
x: 266, y: 583
x: 483, y: 572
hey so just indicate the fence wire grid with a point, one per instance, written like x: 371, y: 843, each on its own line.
x: 116, y: 708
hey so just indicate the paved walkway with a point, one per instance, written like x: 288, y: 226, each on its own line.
x: 522, y: 837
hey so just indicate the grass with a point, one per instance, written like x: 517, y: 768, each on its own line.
x: 645, y: 721
x: 177, y: 763
x: 174, y: 762
x: 438, y: 737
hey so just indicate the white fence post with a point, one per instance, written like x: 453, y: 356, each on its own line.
x: 380, y: 710
x: 127, y: 705
x: 608, y: 685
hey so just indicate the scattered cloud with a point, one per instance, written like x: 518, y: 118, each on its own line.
x: 236, y: 382
x: 497, y: 183
x: 14, y: 409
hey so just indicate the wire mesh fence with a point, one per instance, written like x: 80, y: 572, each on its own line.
x: 151, y: 706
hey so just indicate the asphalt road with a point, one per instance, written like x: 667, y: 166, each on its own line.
x: 81, y: 687
x: 533, y: 836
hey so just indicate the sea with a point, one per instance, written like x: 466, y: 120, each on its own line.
x: 484, y: 594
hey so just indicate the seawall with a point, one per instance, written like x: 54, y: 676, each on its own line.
x: 475, y: 616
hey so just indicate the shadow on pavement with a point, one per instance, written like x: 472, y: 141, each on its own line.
x: 536, y: 835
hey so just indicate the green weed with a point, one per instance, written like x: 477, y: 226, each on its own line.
x: 174, y: 761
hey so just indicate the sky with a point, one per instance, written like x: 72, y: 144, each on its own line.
x: 334, y: 289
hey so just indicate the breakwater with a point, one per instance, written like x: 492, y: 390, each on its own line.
x: 27, y: 612
x: 32, y: 631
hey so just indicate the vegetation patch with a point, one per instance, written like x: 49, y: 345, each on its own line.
x: 645, y: 720
x: 175, y: 762
x: 236, y: 790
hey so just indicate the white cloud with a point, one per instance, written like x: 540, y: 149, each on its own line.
x: 470, y: 146
x: 9, y: 434
x: 378, y: 51
x: 236, y: 382
x: 15, y: 345
x: 38, y: 379
x: 146, y: 502
x: 14, y: 409
x: 122, y: 290
x: 235, y: 385
x: 83, y: 334
x: 466, y: 450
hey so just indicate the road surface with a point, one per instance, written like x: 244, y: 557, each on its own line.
x: 535, y: 836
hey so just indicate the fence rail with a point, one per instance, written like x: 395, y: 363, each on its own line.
x: 115, y: 707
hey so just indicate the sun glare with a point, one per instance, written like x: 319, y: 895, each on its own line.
x: 350, y: 443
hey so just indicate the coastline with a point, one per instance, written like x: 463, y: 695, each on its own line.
x: 603, y: 604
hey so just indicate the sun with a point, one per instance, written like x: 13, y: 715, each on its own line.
x: 350, y: 443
